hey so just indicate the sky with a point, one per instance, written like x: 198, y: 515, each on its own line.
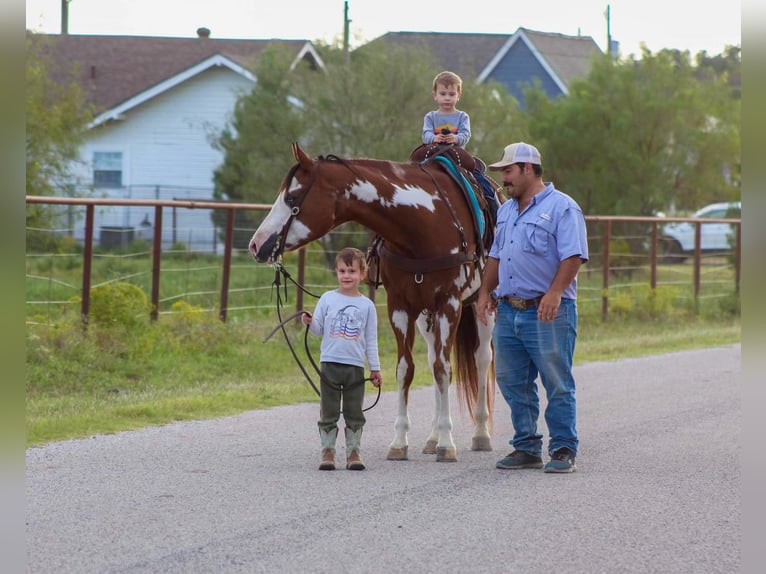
x: 678, y: 24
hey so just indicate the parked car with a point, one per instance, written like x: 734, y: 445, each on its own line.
x: 677, y: 239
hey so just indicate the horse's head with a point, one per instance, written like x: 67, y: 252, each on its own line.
x: 293, y: 221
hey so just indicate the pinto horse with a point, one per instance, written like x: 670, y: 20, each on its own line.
x: 430, y: 264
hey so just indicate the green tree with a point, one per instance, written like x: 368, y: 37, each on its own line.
x: 56, y: 120
x: 638, y: 136
x: 256, y: 143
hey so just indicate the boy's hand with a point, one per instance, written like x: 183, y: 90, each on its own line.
x: 306, y: 318
x: 376, y: 378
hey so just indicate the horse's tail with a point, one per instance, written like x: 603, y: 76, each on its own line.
x: 465, y: 369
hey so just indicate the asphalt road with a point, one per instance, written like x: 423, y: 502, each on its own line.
x: 657, y: 489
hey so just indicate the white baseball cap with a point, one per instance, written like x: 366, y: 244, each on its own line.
x: 518, y: 153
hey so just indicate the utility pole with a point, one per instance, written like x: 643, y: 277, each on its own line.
x: 608, y: 31
x: 346, y: 23
x: 65, y: 17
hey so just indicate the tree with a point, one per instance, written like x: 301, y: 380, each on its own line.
x: 638, y: 136
x: 256, y: 143
x: 57, y: 118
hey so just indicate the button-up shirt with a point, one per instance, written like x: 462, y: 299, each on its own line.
x: 530, y: 245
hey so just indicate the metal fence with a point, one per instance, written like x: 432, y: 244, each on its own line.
x: 625, y: 254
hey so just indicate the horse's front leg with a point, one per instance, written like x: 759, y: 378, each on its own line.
x: 405, y: 371
x: 438, y: 340
x: 481, y: 439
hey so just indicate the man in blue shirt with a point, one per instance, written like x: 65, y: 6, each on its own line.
x: 530, y: 281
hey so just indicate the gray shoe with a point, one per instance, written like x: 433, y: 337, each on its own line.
x: 519, y: 459
x: 562, y: 461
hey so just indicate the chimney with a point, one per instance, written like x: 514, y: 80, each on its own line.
x: 203, y: 32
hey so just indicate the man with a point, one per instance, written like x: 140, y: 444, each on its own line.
x: 530, y: 280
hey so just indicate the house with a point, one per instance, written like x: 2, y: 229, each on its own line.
x: 512, y: 60
x: 159, y: 104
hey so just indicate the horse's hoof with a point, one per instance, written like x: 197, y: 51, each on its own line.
x: 446, y: 454
x: 430, y: 447
x: 397, y: 453
x: 481, y: 443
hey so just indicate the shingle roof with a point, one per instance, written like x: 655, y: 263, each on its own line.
x: 468, y: 54
x: 113, y: 69
x: 569, y: 56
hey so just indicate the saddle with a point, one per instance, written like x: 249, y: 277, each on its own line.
x: 480, y: 192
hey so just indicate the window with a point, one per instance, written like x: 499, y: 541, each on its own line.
x: 107, y: 169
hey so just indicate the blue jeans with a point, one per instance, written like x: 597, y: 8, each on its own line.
x: 525, y: 347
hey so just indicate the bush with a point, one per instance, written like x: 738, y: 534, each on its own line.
x: 119, y: 304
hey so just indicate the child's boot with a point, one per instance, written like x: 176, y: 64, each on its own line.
x: 353, y: 443
x: 327, y: 439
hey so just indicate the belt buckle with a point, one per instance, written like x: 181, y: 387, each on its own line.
x: 518, y: 303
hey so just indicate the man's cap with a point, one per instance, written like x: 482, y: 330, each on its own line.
x: 518, y: 153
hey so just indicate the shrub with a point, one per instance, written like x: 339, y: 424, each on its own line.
x: 119, y: 303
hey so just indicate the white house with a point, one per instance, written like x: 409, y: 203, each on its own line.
x: 159, y: 102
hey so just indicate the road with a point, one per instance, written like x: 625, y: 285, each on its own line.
x: 657, y: 489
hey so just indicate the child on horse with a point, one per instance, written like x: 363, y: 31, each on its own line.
x: 447, y: 131
x: 348, y: 324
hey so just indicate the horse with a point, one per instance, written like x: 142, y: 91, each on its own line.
x: 430, y: 258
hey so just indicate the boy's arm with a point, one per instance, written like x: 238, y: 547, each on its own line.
x: 428, y: 129
x: 463, y: 130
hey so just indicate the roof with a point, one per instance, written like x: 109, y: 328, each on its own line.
x: 115, y: 69
x: 567, y: 57
x: 466, y: 54
x: 476, y: 55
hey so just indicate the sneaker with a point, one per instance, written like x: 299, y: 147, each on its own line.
x: 562, y: 460
x: 520, y: 459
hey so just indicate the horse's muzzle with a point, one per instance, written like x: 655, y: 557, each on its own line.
x: 264, y: 253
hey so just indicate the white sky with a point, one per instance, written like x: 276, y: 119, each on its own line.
x: 682, y: 24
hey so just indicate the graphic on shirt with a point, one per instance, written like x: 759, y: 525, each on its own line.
x: 446, y: 126
x: 347, y: 323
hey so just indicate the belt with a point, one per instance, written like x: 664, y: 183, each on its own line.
x: 521, y: 304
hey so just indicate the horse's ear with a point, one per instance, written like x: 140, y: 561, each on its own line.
x: 301, y: 157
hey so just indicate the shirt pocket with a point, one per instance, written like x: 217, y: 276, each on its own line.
x: 538, y: 235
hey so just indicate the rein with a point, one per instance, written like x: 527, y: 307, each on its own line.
x: 280, y: 270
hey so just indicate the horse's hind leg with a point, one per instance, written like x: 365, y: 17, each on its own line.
x: 481, y: 439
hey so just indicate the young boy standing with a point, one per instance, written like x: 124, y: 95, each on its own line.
x: 348, y: 324
x: 447, y: 125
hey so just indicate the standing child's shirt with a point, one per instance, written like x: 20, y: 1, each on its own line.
x: 348, y: 326
x: 457, y: 123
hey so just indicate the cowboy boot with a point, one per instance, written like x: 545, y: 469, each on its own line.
x: 353, y: 442
x: 327, y: 439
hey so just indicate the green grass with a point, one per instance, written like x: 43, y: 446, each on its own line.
x: 125, y: 372
x: 110, y: 380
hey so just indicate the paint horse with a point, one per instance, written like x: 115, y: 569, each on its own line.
x: 430, y: 262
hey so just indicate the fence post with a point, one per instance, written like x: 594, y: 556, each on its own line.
x: 156, y: 261
x: 227, y: 248
x: 301, y: 278
x: 87, y: 258
x: 605, y: 281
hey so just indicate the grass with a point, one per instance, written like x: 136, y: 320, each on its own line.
x: 124, y: 372
x: 108, y: 380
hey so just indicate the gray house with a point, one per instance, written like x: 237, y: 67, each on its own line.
x: 513, y: 60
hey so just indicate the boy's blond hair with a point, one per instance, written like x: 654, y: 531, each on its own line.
x: 448, y: 79
x: 350, y: 254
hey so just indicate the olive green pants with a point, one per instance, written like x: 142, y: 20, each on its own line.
x: 341, y: 390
